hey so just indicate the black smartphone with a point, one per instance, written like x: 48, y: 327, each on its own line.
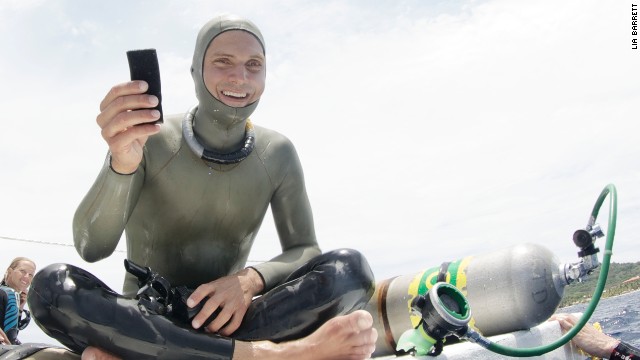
x: 143, y: 65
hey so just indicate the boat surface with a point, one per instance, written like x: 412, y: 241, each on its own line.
x: 543, y: 334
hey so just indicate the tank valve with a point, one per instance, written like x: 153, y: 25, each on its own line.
x: 444, y: 311
x: 584, y: 240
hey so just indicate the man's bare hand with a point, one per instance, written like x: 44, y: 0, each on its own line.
x: 232, y: 295
x: 588, y: 339
x: 125, y: 116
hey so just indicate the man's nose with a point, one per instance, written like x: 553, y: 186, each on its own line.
x: 238, y: 75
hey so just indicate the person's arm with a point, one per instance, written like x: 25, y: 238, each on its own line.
x: 593, y: 341
x: 103, y: 213
x: 293, y: 219
x: 101, y: 217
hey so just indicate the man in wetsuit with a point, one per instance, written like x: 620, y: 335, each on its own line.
x: 190, y: 195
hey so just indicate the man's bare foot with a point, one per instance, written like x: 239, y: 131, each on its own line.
x: 94, y: 353
x: 347, y: 337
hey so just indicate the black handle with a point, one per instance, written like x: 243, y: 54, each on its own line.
x: 143, y: 65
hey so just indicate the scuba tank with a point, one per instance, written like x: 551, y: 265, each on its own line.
x: 508, y: 290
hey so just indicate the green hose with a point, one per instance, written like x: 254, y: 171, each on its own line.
x: 602, y: 279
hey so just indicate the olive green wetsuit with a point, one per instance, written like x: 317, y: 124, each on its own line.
x: 194, y: 221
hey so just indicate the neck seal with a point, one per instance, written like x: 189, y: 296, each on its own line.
x: 233, y: 157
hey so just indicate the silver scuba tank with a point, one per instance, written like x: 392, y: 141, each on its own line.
x: 508, y: 290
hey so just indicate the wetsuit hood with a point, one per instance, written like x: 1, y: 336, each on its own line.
x: 209, y: 107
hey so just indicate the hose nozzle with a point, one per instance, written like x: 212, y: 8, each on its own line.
x: 585, y: 240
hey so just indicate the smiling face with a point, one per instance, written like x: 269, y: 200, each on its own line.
x: 234, y: 68
x: 19, y: 278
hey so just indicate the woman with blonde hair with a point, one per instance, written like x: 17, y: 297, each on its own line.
x: 13, y: 297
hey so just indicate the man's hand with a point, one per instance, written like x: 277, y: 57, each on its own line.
x: 118, y: 121
x: 232, y: 295
x: 588, y: 338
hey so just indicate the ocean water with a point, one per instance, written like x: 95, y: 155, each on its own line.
x: 619, y: 316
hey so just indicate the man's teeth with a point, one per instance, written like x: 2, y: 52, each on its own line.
x: 234, y: 94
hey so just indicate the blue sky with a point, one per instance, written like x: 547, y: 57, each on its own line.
x: 428, y: 130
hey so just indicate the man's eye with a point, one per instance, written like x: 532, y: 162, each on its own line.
x: 254, y: 65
